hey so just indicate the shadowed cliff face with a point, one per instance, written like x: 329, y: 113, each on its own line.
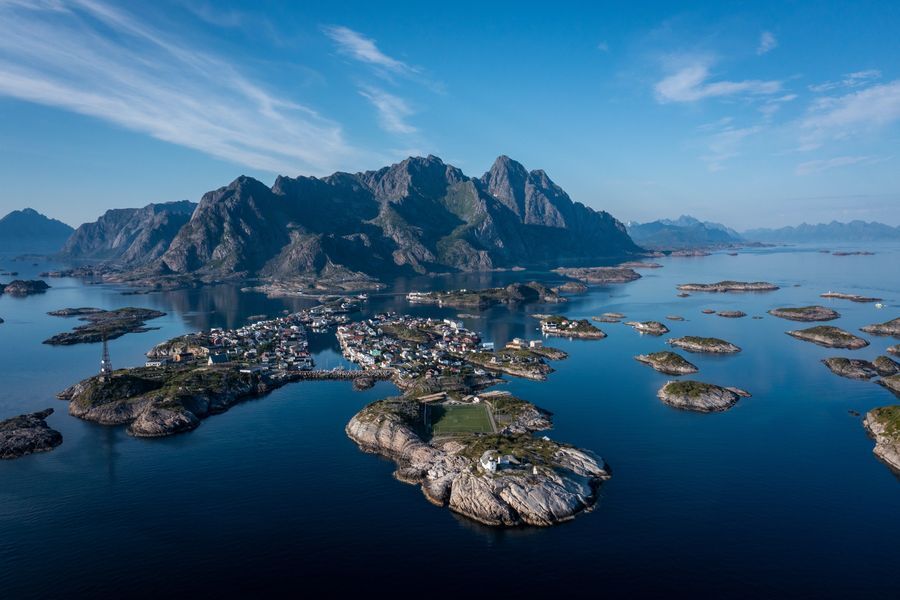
x: 129, y: 236
x: 419, y: 215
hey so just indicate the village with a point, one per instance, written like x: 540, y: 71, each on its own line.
x: 278, y: 344
x: 416, y: 347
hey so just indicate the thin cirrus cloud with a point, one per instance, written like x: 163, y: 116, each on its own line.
x: 393, y: 111
x: 365, y: 50
x: 726, y: 144
x: 817, y: 166
x: 850, y: 80
x: 692, y: 83
x: 844, y: 116
x: 767, y: 43
x: 95, y: 59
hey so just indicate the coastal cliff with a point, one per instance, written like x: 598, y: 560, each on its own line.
x: 548, y: 483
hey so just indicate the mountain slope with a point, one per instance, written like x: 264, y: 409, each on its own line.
x: 420, y: 215
x: 129, y: 236
x: 854, y: 231
x: 27, y: 230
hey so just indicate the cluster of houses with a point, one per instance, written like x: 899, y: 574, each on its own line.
x: 411, y: 346
x: 278, y: 344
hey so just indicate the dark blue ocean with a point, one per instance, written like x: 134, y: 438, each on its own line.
x: 780, y: 496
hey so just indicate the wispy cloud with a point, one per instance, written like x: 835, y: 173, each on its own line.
x: 95, y: 59
x: 767, y: 43
x: 363, y: 49
x: 817, y: 166
x: 850, y: 80
x: 692, y: 83
x: 393, y: 111
x: 840, y: 117
x: 725, y: 145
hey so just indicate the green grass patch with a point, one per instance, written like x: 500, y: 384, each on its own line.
x: 460, y: 418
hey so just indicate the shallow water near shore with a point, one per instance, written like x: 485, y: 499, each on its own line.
x: 779, y: 495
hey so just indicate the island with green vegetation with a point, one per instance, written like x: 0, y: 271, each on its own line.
x: 699, y: 396
x: 830, y: 337
x: 27, y: 434
x: 477, y: 456
x: 571, y: 328
x: 648, y: 327
x: 710, y: 345
x: 805, y: 313
x: 891, y: 382
x: 667, y: 362
x: 851, y: 368
x: 609, y: 317
x: 102, y: 324
x: 732, y: 314
x: 729, y: 286
x: 883, y: 424
x: 891, y: 328
x: 886, y: 366
x: 21, y: 287
x: 514, y: 293
x: 599, y: 275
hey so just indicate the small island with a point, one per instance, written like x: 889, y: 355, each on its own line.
x: 853, y: 253
x: 729, y: 286
x: 512, y: 294
x: 891, y: 328
x: 571, y: 328
x: 886, y: 366
x: 699, y: 396
x: 805, y: 313
x: 600, y: 275
x: 708, y: 345
x: 830, y: 337
x: 609, y: 317
x: 667, y: 362
x: 891, y: 382
x: 851, y: 368
x: 883, y: 424
x: 102, y: 324
x: 895, y: 349
x: 636, y: 264
x: 26, y: 434
x: 850, y: 297
x: 476, y: 455
x: 648, y: 327
x: 571, y: 287
x: 20, y: 287
x: 732, y: 314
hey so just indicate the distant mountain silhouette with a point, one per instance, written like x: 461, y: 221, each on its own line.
x: 28, y: 231
x: 854, y: 231
x: 682, y: 233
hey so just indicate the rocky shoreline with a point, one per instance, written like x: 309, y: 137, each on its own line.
x: 21, y: 287
x: 850, y: 297
x: 805, y: 313
x: 830, y: 337
x: 648, y: 327
x: 27, y: 434
x: 507, y: 479
x: 699, y: 396
x: 704, y: 345
x: 514, y: 293
x: 891, y: 328
x: 883, y: 425
x: 729, y: 286
x: 669, y: 363
x: 102, y: 324
x: 599, y: 275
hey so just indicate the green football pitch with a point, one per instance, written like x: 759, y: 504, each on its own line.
x: 460, y: 418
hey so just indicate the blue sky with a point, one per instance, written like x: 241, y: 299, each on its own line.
x: 749, y: 113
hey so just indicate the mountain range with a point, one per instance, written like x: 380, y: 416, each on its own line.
x: 129, y: 236
x: 417, y: 216
x: 854, y: 231
x: 682, y: 233
x: 28, y: 231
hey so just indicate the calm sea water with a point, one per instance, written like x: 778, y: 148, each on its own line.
x: 779, y: 496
